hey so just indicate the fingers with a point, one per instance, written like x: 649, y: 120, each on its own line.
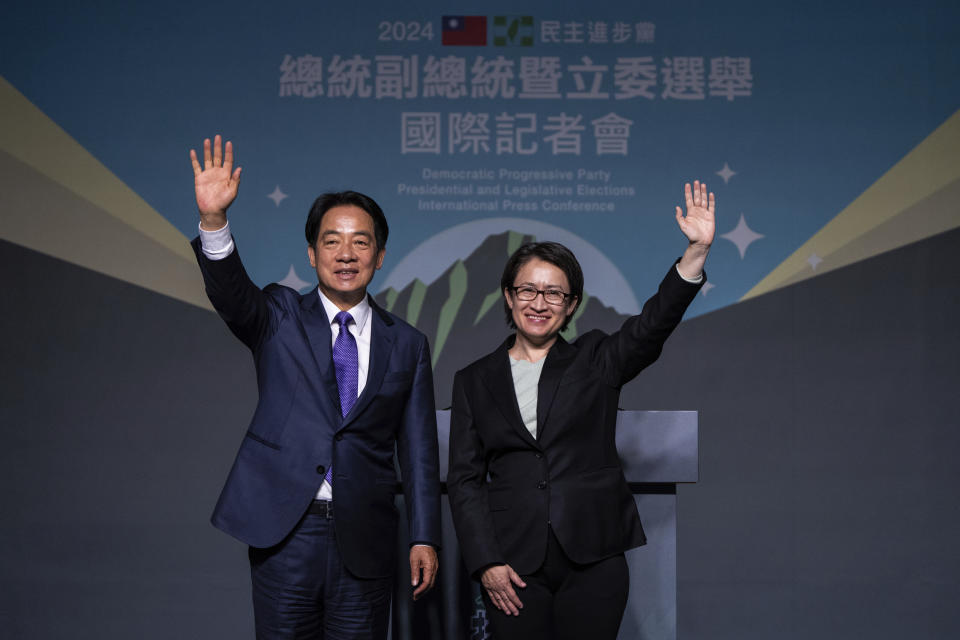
x: 429, y: 577
x: 423, y: 558
x: 195, y: 163
x: 697, y: 197
x: 228, y: 157
x: 498, y: 581
x: 423, y: 588
x: 712, y: 205
x: 515, y: 578
x: 414, y: 568
x: 506, y: 600
x: 511, y: 600
x: 207, y: 156
x: 215, y: 156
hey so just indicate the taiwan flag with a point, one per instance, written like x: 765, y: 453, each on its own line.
x: 465, y: 30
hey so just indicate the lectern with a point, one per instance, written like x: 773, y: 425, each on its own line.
x: 658, y: 450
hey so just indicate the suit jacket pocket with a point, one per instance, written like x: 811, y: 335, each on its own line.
x: 599, y: 479
x: 581, y: 376
x: 390, y: 484
x: 395, y: 386
x: 499, y: 499
x: 263, y: 441
x: 270, y: 418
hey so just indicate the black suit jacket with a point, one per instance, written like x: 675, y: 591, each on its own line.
x: 506, y: 487
x: 297, y: 431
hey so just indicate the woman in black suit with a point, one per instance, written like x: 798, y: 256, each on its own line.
x: 539, y: 501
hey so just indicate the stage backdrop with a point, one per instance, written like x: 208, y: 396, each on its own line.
x: 822, y: 353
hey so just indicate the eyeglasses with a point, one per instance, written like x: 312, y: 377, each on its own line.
x: 551, y: 296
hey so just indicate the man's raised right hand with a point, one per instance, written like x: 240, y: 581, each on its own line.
x: 216, y: 183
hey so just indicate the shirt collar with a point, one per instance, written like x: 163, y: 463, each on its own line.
x: 360, y: 312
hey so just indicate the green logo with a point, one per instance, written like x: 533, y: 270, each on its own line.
x: 513, y: 31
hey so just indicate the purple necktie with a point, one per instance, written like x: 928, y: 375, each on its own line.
x: 347, y: 366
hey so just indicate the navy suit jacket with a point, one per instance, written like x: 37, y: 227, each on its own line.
x: 297, y: 431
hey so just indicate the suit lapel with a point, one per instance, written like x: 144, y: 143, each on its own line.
x: 317, y: 326
x: 558, y: 359
x: 498, y: 379
x: 381, y: 343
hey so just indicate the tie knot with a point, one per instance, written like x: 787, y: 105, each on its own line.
x: 343, y: 318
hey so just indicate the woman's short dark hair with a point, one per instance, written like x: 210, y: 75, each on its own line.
x: 333, y: 199
x: 552, y: 252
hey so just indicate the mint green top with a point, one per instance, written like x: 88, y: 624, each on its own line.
x: 526, y: 377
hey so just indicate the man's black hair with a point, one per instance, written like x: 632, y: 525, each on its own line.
x: 333, y: 199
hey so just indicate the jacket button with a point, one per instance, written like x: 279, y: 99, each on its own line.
x: 542, y: 484
x: 339, y: 437
x: 322, y: 470
x: 538, y: 455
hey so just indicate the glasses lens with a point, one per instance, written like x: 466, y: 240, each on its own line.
x: 553, y: 296
x: 526, y: 293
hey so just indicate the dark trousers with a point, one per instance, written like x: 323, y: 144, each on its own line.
x: 302, y: 590
x: 565, y: 600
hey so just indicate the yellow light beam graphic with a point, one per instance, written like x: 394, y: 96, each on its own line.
x: 934, y: 214
x: 48, y: 217
x: 36, y: 140
x: 927, y: 169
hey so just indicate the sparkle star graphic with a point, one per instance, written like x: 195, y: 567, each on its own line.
x: 726, y: 173
x: 742, y: 236
x: 705, y: 289
x: 814, y: 261
x: 277, y: 196
x: 293, y: 280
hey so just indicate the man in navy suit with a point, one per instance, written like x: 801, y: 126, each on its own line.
x: 343, y: 384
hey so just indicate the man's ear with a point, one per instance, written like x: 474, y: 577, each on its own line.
x: 312, y: 254
x: 380, y: 259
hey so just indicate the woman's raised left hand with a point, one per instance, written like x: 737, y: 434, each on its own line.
x: 698, y: 224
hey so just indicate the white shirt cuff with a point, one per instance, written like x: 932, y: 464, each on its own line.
x: 696, y: 280
x: 218, y: 244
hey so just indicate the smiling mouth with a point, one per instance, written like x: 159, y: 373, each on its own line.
x: 536, y: 317
x: 346, y: 274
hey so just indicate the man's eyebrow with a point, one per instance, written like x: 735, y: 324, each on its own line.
x: 334, y: 232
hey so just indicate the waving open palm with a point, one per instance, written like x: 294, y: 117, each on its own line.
x: 216, y: 183
x: 699, y: 224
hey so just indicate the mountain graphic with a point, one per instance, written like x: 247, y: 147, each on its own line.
x: 461, y: 312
